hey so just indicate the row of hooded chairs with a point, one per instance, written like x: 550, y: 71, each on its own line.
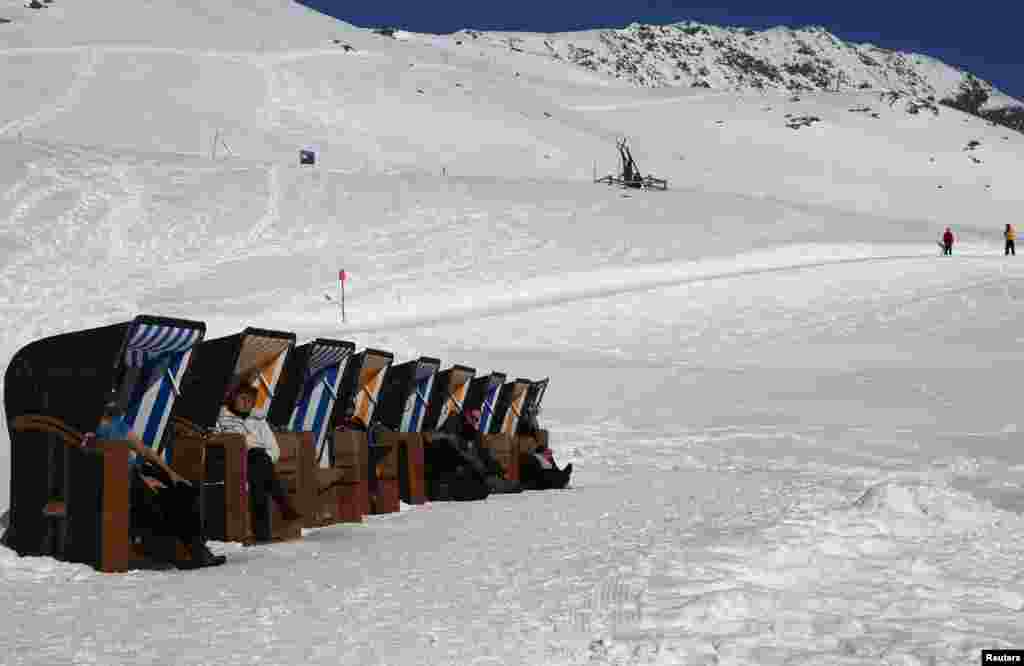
x: 70, y: 493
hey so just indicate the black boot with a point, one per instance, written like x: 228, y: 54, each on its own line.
x: 201, y: 557
x: 160, y: 548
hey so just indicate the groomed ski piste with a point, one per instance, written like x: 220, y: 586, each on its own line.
x: 796, y: 427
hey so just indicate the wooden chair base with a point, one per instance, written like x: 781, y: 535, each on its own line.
x: 341, y: 492
x: 225, y: 484
x: 343, y: 503
x: 386, y: 499
x: 506, y: 452
x: 411, y: 468
x: 82, y: 516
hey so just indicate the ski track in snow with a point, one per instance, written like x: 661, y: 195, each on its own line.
x: 613, y: 282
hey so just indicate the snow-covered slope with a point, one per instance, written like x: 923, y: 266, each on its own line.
x: 185, y: 24
x: 795, y: 428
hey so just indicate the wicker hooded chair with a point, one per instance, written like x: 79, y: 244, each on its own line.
x: 483, y: 395
x: 305, y: 403
x: 70, y: 493
x: 256, y: 356
x: 404, y: 404
x: 354, y: 448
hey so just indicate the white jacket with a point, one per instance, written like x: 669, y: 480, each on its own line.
x: 258, y: 434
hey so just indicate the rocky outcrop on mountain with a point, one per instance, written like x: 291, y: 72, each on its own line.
x: 974, y: 95
x: 697, y: 55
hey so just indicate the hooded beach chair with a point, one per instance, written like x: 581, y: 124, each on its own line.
x: 483, y: 395
x: 534, y: 397
x: 355, y: 446
x: 448, y: 396
x: 305, y: 402
x: 529, y: 410
x: 447, y: 399
x: 258, y: 356
x: 508, y: 410
x: 509, y: 407
x: 532, y: 405
x: 403, y: 406
x: 71, y: 500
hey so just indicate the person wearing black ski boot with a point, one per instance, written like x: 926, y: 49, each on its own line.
x: 164, y: 506
x: 455, y: 472
x: 473, y: 441
x: 537, y: 468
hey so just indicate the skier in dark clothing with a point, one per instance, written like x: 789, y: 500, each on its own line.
x: 537, y: 468
x: 947, y: 242
x: 1011, y: 241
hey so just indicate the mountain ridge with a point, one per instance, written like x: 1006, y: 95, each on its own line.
x: 780, y: 59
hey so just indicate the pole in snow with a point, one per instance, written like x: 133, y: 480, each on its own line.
x: 342, y: 276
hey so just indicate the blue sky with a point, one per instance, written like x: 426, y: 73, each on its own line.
x: 983, y: 39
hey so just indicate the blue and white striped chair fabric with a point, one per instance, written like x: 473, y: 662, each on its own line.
x: 416, y: 405
x: 490, y: 400
x: 159, y: 354
x: 319, y: 392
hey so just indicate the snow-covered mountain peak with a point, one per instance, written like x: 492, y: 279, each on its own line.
x: 700, y: 55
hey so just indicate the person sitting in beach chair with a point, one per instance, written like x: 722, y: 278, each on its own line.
x: 263, y: 452
x: 495, y: 474
x: 537, y: 468
x: 163, y: 504
x: 455, y: 464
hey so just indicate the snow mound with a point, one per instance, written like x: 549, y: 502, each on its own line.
x: 726, y: 611
x: 931, y: 503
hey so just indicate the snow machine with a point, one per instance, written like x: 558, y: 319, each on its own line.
x: 70, y: 492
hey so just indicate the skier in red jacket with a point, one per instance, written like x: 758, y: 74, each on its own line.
x: 947, y: 242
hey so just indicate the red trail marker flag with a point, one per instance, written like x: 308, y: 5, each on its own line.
x: 342, y: 276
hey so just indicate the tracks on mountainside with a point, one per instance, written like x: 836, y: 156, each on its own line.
x: 830, y: 320
x: 91, y: 56
x: 615, y: 282
x: 272, y: 214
